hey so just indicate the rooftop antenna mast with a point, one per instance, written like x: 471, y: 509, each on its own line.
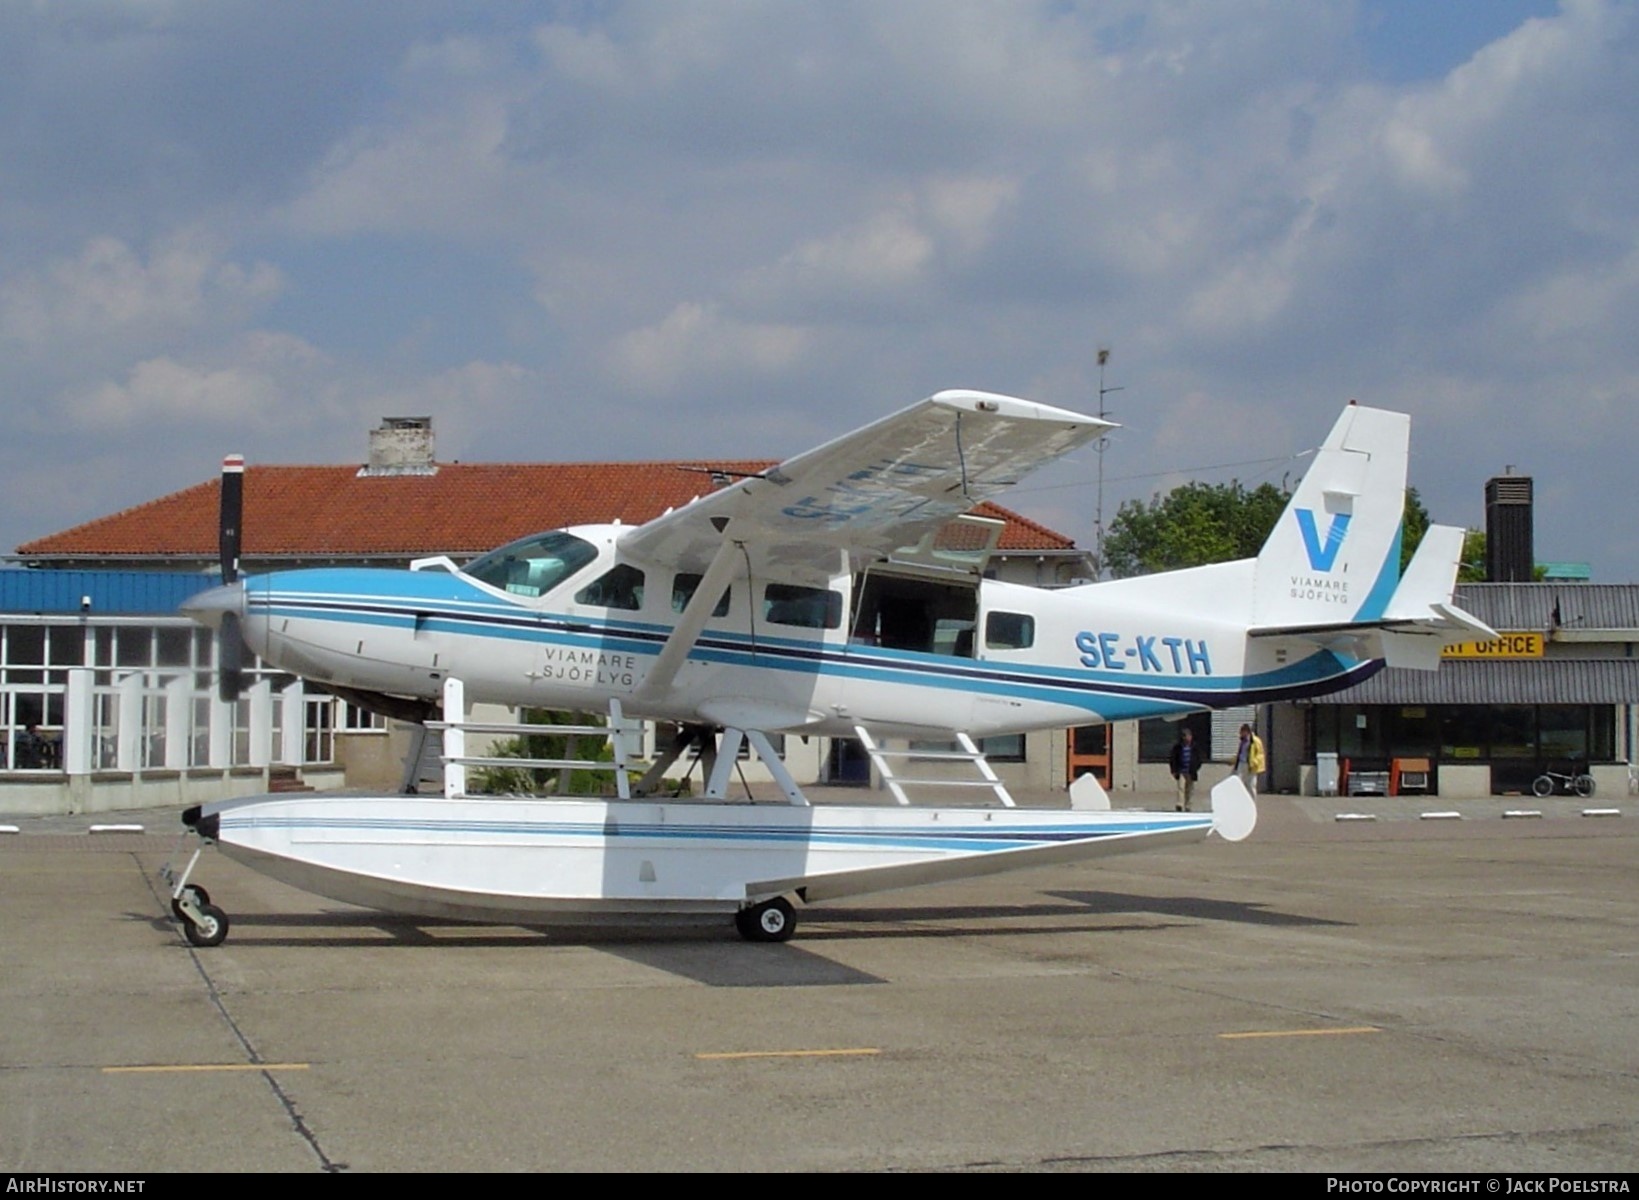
x: 1098, y: 446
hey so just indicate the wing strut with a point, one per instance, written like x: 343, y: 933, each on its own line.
x: 693, y: 619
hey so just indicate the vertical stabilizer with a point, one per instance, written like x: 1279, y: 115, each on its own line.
x: 1334, y: 556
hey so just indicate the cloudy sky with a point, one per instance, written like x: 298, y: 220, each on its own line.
x: 610, y: 230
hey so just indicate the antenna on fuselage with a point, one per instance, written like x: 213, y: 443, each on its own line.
x: 1098, y: 448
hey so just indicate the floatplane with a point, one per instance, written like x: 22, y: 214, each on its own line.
x: 820, y: 597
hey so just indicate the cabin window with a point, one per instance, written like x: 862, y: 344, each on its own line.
x: 532, y: 566
x: 683, y: 588
x: 621, y: 587
x: 810, y: 608
x: 1009, y: 631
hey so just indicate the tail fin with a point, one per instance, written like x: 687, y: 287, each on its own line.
x: 1334, y: 556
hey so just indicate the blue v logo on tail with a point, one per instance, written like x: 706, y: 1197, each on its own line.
x: 1321, y: 557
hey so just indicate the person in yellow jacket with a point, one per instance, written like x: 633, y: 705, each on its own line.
x: 1249, y: 759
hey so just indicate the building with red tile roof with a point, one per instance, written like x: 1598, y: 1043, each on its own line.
x: 387, y: 514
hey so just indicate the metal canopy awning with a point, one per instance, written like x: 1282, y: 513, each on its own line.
x: 1519, y: 681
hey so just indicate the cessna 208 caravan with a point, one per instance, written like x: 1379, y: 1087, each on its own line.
x: 814, y: 597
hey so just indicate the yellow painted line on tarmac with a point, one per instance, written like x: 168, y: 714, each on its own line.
x: 1285, y: 1033
x: 858, y: 1051
x: 178, y: 1068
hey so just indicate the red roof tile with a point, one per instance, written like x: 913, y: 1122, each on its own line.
x: 464, y: 508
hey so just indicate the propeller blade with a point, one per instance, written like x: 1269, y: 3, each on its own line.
x: 231, y: 515
x: 230, y: 638
x: 230, y: 658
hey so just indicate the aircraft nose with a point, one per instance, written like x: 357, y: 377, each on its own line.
x: 209, y: 606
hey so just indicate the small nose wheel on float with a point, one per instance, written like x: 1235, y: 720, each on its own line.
x: 203, y: 924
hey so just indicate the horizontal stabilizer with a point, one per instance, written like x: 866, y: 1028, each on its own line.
x: 1234, y: 812
x: 1477, y: 629
x: 1419, y: 618
x: 1431, y: 576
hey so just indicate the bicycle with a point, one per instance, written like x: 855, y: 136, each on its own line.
x: 1551, y: 781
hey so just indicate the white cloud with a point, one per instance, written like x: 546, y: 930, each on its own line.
x: 110, y: 290
x: 629, y: 207
x: 266, y: 382
x: 441, y: 173
x: 467, y: 403
x: 694, y: 341
x: 888, y: 259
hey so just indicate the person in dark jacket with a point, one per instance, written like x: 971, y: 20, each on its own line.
x: 1186, y: 769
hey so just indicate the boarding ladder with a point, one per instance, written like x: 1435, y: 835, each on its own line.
x: 623, y: 735
x: 967, y: 752
x: 425, y: 761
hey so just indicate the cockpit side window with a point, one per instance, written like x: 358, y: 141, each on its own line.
x: 619, y: 587
x: 533, y: 566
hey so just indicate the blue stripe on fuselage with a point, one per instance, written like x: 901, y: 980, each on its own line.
x: 446, y: 604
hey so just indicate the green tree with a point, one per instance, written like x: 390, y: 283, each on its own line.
x: 1473, y: 565
x: 1202, y: 523
x: 1473, y: 568
x: 1414, y: 524
x: 1190, y: 526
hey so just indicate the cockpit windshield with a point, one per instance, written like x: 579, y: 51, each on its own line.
x: 533, y: 565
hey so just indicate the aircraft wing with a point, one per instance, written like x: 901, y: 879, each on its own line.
x: 872, y: 491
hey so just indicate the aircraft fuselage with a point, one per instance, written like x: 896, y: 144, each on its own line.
x: 899, y: 652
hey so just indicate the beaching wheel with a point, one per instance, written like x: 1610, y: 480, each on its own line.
x: 772, y: 921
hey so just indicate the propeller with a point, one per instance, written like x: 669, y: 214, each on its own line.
x: 230, y: 638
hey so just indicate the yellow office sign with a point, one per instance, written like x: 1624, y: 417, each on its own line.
x: 1509, y: 645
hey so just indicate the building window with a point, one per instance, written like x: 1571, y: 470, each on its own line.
x: 1003, y: 747
x: 360, y: 720
x: 1527, y: 736
x: 1157, y: 737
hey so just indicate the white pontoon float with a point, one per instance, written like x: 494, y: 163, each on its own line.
x: 627, y: 860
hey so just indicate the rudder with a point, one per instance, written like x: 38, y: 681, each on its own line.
x: 1334, y: 555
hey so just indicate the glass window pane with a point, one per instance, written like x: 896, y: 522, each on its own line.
x: 175, y: 645
x: 1009, y: 631
x: 1564, y: 733
x: 1007, y: 747
x: 1157, y: 737
x: 533, y: 565
x: 134, y: 647
x: 1414, y: 732
x: 1463, y: 732
x: 684, y: 586
x: 67, y: 646
x: 26, y: 645
x: 621, y: 588
x: 809, y: 608
x: 1513, y: 731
